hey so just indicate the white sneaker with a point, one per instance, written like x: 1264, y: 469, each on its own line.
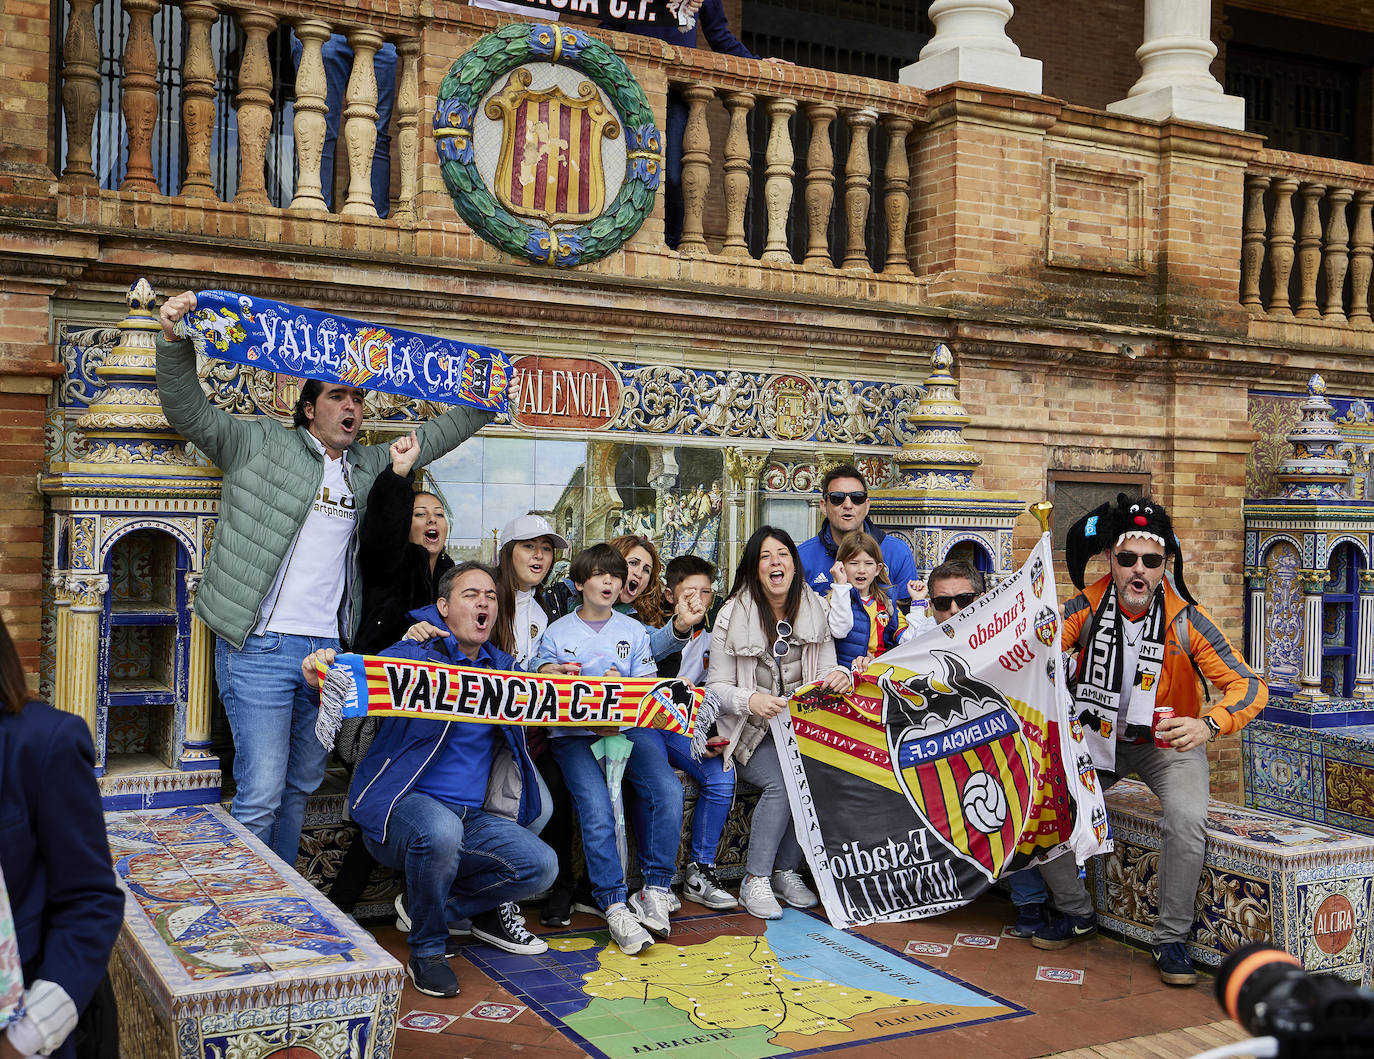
x: 788, y: 886
x: 757, y: 897
x: 652, y: 905
x: 700, y: 884
x: 626, y: 930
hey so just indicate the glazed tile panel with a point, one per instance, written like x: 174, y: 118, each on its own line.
x: 237, y: 951
x: 1322, y: 775
x: 1300, y: 885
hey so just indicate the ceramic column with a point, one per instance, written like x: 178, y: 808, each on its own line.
x: 1175, y: 76
x: 1364, y: 658
x: 82, y: 680
x: 200, y: 682
x: 1256, y: 578
x: 971, y: 45
x: 1312, y: 582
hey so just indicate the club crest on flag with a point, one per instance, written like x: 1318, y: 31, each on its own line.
x: 1037, y: 576
x: 961, y: 759
x: 550, y: 166
x: 1046, y: 626
x: 675, y: 698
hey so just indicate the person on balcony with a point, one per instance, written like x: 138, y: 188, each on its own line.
x: 710, y: 16
x: 282, y: 577
x: 1141, y: 641
x: 844, y: 503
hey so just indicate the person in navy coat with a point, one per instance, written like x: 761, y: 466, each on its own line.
x: 66, y: 904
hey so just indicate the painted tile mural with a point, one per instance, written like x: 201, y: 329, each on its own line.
x: 212, y: 915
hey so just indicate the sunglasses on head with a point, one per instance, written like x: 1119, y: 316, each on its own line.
x: 860, y: 497
x: 1152, y: 560
x: 945, y: 602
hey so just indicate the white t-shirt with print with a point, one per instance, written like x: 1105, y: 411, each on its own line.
x: 304, y: 600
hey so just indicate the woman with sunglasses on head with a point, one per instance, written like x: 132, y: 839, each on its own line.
x: 771, y: 637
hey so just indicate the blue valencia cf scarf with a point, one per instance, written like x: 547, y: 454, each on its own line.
x: 290, y: 340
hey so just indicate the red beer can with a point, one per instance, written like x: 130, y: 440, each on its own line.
x: 576, y: 670
x: 1162, y: 713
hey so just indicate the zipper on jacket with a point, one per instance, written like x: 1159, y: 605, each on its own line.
x: 363, y: 793
x: 386, y: 823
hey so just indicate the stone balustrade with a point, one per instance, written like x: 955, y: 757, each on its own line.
x: 792, y: 167
x: 809, y: 168
x: 1308, y: 240
x: 208, y: 92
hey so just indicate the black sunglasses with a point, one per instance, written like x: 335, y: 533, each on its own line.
x: 860, y: 497
x: 945, y: 602
x: 1152, y: 560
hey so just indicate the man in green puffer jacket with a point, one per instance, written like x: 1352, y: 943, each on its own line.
x: 282, y: 577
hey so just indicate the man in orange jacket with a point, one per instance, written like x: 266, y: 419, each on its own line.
x: 1142, y: 642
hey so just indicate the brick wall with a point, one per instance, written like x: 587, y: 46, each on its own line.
x: 1087, y: 46
x: 25, y: 180
x: 26, y: 374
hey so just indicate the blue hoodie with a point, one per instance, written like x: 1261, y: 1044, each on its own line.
x: 818, y: 556
x: 403, y: 747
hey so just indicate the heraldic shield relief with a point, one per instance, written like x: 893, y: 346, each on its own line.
x: 551, y: 167
x: 945, y: 767
x: 547, y: 144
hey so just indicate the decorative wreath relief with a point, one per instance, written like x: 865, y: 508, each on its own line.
x: 535, y: 177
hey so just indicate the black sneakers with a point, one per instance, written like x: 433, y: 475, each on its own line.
x: 1063, y: 931
x: 1175, y: 968
x: 558, y: 908
x: 504, y: 927
x: 433, y: 976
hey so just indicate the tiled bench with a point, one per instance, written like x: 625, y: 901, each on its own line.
x: 1302, y: 886
x: 226, y: 951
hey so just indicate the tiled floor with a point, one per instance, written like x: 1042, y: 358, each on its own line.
x: 1120, y: 998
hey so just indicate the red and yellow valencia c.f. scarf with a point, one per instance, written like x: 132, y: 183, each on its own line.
x: 368, y: 686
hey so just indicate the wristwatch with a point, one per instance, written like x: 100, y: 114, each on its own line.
x: 1212, y: 727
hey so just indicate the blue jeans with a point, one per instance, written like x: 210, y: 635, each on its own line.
x: 672, y: 168
x: 459, y: 862
x: 1181, y: 782
x: 717, y: 787
x: 338, y: 66
x: 1027, y: 887
x: 278, y: 759
x: 656, y: 813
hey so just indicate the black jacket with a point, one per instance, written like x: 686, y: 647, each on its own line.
x: 66, y: 904
x: 396, y: 576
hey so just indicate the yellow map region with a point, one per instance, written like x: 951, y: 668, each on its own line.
x: 735, y: 982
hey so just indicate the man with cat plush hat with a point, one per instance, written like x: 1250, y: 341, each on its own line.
x: 1140, y: 641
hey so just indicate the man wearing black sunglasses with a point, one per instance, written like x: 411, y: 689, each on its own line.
x: 844, y: 503
x: 1140, y: 642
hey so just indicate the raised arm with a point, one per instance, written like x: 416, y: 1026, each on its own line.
x: 214, y: 431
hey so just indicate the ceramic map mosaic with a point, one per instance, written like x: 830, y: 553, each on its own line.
x: 733, y: 986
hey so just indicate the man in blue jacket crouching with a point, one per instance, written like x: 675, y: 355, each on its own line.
x: 448, y: 802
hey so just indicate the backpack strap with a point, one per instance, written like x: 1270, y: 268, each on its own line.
x: 1181, y: 632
